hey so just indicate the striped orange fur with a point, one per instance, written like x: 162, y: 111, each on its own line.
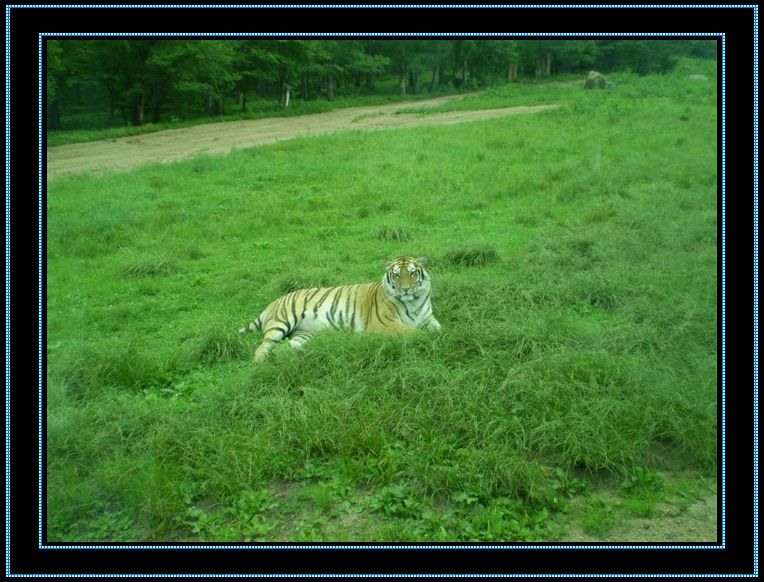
x: 400, y: 303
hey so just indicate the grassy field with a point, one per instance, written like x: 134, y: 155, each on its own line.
x: 573, y: 257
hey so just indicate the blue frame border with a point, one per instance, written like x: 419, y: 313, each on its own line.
x: 380, y: 546
x: 375, y: 546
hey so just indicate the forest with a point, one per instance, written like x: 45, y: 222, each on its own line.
x: 135, y: 81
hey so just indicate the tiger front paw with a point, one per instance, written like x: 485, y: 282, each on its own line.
x: 431, y: 324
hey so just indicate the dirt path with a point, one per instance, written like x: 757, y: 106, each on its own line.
x: 220, y: 138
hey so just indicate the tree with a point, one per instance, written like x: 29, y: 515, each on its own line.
x: 322, y: 59
x: 584, y: 55
x: 120, y: 65
x: 398, y: 58
x: 463, y: 51
x: 195, y: 73
x: 495, y: 61
x: 640, y: 56
x: 438, y: 55
x: 256, y: 62
x: 124, y: 67
x: 86, y: 73
x: 287, y: 56
x: 426, y: 55
x: 356, y: 61
x: 370, y: 64
x: 54, y: 74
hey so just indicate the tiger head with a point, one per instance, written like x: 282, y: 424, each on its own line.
x: 406, y: 278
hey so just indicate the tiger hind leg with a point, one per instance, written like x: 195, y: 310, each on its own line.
x: 298, y: 338
x: 271, y: 337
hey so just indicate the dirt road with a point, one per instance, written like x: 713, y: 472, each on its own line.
x: 219, y: 138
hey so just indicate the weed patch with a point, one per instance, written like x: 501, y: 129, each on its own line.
x: 393, y: 234
x: 472, y: 257
x: 157, y: 268
x: 219, y: 345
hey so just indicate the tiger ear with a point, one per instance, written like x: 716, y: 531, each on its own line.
x: 421, y: 260
x: 388, y: 263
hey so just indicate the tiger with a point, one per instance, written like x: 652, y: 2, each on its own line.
x: 400, y: 303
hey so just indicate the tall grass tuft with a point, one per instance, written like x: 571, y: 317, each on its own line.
x: 110, y: 366
x: 393, y: 234
x: 153, y: 268
x: 219, y: 344
x: 472, y: 257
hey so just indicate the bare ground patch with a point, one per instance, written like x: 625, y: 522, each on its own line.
x: 693, y: 523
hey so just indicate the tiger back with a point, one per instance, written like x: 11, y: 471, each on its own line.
x: 400, y: 303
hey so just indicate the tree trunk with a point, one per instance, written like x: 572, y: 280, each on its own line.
x: 330, y: 87
x: 548, y: 65
x: 402, y: 70
x: 54, y: 115
x: 465, y: 77
x: 136, y: 113
x: 513, y: 72
x: 415, y: 82
x: 370, y: 81
x: 304, y: 87
x: 435, y: 78
x: 242, y: 101
x: 285, y: 96
x: 111, y: 92
x: 154, y: 104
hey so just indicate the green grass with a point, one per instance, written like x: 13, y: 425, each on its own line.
x: 573, y: 257
x: 510, y: 95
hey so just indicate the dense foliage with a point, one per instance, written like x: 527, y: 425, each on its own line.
x: 108, y: 82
